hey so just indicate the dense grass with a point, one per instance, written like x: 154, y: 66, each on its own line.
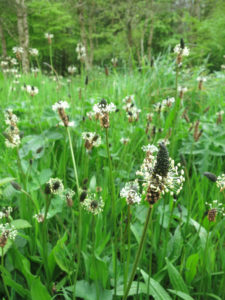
x: 183, y: 253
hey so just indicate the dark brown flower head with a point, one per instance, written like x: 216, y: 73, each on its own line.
x: 47, y: 189
x: 162, y: 163
x: 94, y: 204
x: 85, y: 181
x: 103, y: 103
x: 83, y: 196
x: 3, y: 241
x: 54, y: 186
x: 210, y: 176
x: 182, y: 45
x: 212, y: 214
x: 15, y: 185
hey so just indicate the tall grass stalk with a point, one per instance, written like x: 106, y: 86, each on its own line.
x: 3, y: 280
x: 113, y: 198
x: 128, y: 249
x: 79, y: 229
x: 139, y: 252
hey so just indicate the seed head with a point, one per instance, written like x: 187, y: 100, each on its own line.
x: 210, y: 176
x: 162, y: 162
x: 15, y: 185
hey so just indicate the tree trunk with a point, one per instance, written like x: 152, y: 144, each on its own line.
x: 150, y: 37
x: 83, y: 32
x: 3, y: 42
x: 23, y: 33
x: 197, y: 9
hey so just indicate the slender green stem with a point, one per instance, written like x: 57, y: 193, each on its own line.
x: 138, y: 255
x: 22, y: 177
x: 167, y: 231
x: 45, y: 239
x: 204, y: 268
x: 150, y: 259
x: 128, y: 249
x: 50, y: 54
x: 74, y: 162
x: 113, y: 199
x: 177, y: 73
x: 79, y: 216
x: 5, y: 286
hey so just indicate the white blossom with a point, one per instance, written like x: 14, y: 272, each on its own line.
x: 130, y: 192
x: 60, y: 105
x: 32, y: 90
x: 178, y: 50
x: 33, y: 52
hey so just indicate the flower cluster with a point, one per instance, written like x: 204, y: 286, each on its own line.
x: 124, y: 141
x: 93, y: 204
x: 35, y: 71
x: 8, y: 64
x: 160, y: 173
x: 161, y: 106
x: 6, y: 212
x: 102, y: 110
x: 220, y: 182
x: 6, y: 232
x: 114, y: 61
x: 72, y: 69
x: 32, y: 90
x: 81, y: 51
x: 182, y: 90
x: 60, y: 107
x: 49, y: 37
x: 18, y: 51
x: 181, y: 50
x: 33, y: 52
x: 40, y: 217
x: 54, y: 186
x: 130, y: 192
x: 131, y: 108
x: 11, y: 133
x: 219, y: 115
x: 91, y: 140
x: 68, y: 193
x: 215, y: 208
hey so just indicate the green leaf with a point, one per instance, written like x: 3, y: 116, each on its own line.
x: 92, y: 184
x: 201, y: 231
x: 60, y: 256
x: 20, y: 224
x: 182, y: 295
x: 6, y: 180
x: 22, y: 264
x: 136, y: 229
x: 87, y: 291
x: 6, y: 248
x: 175, y: 278
x: 175, y: 244
x: 136, y: 286
x: 39, y: 291
x: 52, y: 261
x: 16, y: 286
x: 210, y: 295
x: 155, y: 288
x: 99, y: 270
x: 191, y: 267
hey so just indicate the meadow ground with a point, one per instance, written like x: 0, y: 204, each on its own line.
x: 84, y: 245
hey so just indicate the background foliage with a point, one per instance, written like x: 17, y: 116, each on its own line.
x: 129, y: 30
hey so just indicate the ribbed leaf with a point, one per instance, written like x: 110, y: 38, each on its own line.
x: 175, y: 278
x: 5, y: 180
x: 182, y: 295
x: 155, y: 288
x: 39, y: 291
